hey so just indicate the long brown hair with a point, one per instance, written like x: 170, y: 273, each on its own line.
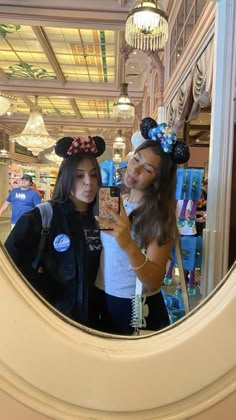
x: 67, y: 173
x: 155, y: 218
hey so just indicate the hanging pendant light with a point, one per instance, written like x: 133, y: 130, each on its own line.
x: 146, y: 26
x: 123, y: 107
x: 118, y: 148
x: 6, y: 102
x: 35, y: 136
x: 4, y: 152
x: 53, y: 157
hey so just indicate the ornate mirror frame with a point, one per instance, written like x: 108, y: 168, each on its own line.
x: 65, y: 373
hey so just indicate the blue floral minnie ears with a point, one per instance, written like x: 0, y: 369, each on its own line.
x: 151, y: 130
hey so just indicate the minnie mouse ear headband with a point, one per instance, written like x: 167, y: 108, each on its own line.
x: 151, y: 130
x: 67, y: 146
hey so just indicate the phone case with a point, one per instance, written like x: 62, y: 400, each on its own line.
x: 106, y: 199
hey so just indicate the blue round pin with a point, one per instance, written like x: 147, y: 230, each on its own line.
x: 61, y: 242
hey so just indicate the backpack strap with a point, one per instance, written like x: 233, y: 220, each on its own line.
x: 46, y: 212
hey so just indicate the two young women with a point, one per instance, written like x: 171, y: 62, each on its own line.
x: 65, y: 277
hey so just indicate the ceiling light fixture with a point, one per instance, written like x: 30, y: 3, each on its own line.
x: 35, y: 136
x: 123, y: 107
x: 118, y: 148
x: 3, y: 154
x: 146, y: 26
x: 53, y: 157
x: 6, y: 102
x: 4, y: 151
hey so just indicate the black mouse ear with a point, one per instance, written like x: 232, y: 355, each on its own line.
x: 180, y: 152
x: 145, y: 126
x: 62, y: 146
x: 100, y: 144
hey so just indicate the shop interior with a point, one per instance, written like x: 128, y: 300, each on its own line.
x: 65, y: 69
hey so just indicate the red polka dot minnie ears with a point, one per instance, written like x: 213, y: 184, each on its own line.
x: 67, y: 146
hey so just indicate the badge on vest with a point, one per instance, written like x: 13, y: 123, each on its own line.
x: 61, y: 243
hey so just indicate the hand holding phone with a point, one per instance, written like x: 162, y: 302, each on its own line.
x: 107, y: 197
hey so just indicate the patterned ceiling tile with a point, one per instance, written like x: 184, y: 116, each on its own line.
x: 21, y: 54
x: 84, y: 55
x: 50, y: 106
x: 96, y: 108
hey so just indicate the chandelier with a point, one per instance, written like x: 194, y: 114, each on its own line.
x: 146, y: 26
x: 123, y: 107
x: 118, y: 148
x: 6, y: 102
x: 53, y: 157
x: 35, y: 136
x: 3, y: 154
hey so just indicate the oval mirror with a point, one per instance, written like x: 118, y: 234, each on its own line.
x: 63, y: 372
x: 220, y: 173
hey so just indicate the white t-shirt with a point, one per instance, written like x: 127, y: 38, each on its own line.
x: 115, y: 276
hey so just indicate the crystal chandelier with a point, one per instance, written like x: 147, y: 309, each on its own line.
x: 123, y: 107
x: 4, y: 154
x: 6, y: 102
x: 53, y: 157
x: 146, y: 26
x: 118, y: 148
x: 35, y: 136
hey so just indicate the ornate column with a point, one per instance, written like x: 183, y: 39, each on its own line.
x: 216, y: 234
x: 160, y: 111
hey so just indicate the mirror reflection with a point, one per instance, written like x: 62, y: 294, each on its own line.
x: 117, y: 272
x: 104, y: 272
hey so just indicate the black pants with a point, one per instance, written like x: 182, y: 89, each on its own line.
x: 114, y: 314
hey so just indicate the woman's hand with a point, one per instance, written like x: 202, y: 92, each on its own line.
x: 120, y: 226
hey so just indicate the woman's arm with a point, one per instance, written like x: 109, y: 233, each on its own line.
x: 150, y: 269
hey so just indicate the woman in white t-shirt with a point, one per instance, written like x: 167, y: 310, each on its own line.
x: 142, y: 236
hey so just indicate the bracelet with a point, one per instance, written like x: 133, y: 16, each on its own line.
x: 140, y: 266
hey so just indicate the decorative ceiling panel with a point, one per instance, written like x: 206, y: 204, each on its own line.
x: 50, y: 105
x: 84, y: 55
x: 95, y: 108
x: 21, y: 54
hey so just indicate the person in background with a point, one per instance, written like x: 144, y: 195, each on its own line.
x: 142, y: 235
x: 65, y: 270
x: 201, y: 209
x: 21, y: 199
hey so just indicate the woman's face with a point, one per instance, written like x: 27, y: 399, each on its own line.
x: 141, y: 170
x: 86, y: 182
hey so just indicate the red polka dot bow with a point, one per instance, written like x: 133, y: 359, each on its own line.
x: 82, y: 145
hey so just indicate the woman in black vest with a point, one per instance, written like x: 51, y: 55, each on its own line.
x: 65, y: 271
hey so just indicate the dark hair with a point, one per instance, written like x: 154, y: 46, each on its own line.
x: 156, y: 218
x: 66, y: 176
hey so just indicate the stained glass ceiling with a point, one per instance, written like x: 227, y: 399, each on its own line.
x: 75, y: 70
x: 83, y: 55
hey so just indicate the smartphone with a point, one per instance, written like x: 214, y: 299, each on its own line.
x: 107, y: 196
